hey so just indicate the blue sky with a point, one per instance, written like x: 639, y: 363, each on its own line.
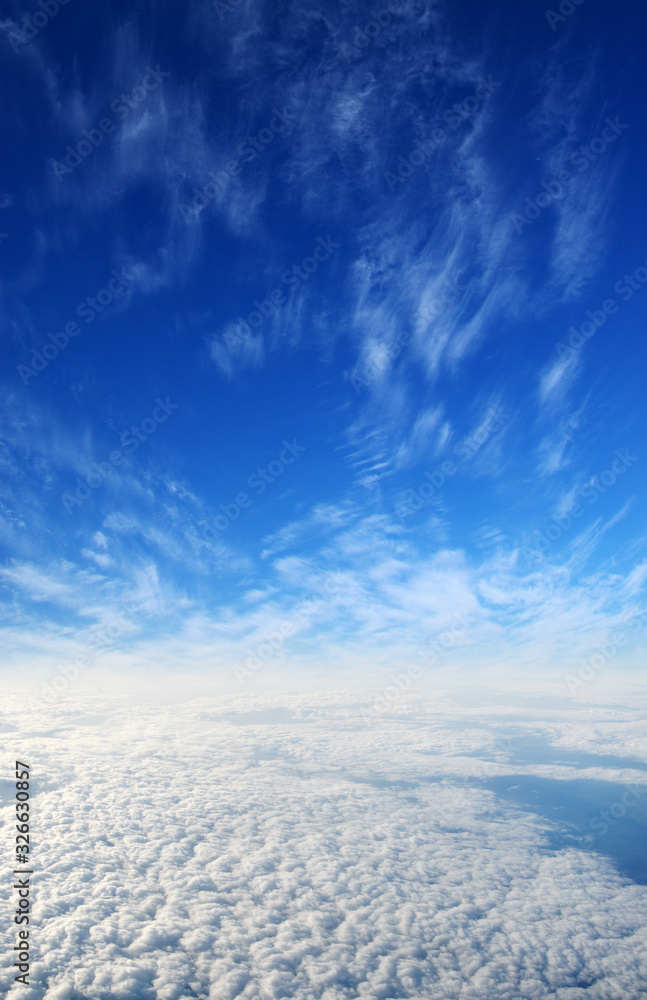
x: 323, y: 338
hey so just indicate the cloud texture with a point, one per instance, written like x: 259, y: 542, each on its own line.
x: 284, y: 846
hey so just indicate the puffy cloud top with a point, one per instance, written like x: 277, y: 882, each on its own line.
x: 267, y: 847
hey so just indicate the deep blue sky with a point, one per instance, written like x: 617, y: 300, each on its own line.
x: 419, y: 345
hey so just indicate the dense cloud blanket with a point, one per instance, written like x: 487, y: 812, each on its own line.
x: 267, y: 847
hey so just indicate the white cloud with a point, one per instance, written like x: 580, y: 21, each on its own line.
x: 235, y: 351
x: 554, y: 380
x: 39, y: 584
x: 275, y: 846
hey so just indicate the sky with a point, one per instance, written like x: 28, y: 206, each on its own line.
x: 323, y: 334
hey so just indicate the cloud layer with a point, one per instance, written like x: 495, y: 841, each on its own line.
x: 272, y: 846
